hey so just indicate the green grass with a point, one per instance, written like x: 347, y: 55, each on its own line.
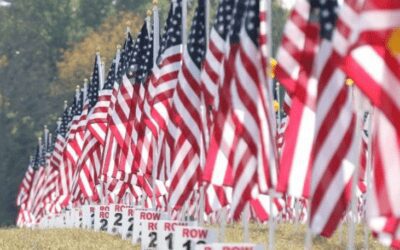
x: 287, y: 237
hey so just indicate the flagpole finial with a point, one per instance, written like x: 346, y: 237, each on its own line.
x: 59, y: 122
x: 97, y: 50
x: 128, y: 27
x: 349, y: 82
x: 155, y: 2
x: 119, y: 46
x: 65, y: 104
x: 149, y: 12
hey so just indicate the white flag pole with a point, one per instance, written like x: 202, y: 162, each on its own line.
x: 156, y: 32
x: 358, y: 128
x: 369, y: 174
x: 203, y: 140
x: 156, y: 46
x: 245, y: 220
x: 271, y: 222
x: 184, y: 20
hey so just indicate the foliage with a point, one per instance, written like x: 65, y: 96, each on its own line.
x: 77, y: 61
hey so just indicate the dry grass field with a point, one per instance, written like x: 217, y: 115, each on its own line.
x: 287, y: 237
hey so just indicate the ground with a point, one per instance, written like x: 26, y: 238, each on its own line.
x: 287, y: 237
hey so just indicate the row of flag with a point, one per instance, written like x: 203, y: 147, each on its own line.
x: 191, y: 126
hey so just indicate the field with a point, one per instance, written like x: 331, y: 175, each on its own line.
x: 287, y: 237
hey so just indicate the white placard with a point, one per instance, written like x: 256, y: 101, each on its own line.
x: 58, y: 220
x: 166, y: 232
x: 101, y: 215
x: 127, y: 222
x: 141, y: 215
x: 88, y: 216
x: 115, y: 219
x: 230, y: 246
x: 149, y: 235
x: 68, y: 219
x: 77, y: 216
x: 187, y: 237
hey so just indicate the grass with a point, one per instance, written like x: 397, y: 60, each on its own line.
x: 287, y: 237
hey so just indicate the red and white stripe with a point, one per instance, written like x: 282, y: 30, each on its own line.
x: 294, y: 172
x: 292, y: 47
x: 373, y: 64
x: 186, y: 171
x: 90, y: 161
x: 25, y: 186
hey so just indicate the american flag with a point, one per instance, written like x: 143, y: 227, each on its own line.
x: 90, y: 161
x: 186, y: 116
x: 236, y: 148
x: 52, y: 176
x: 154, y: 104
x: 373, y: 64
x: 294, y: 171
x: 74, y: 140
x: 136, y: 157
x: 56, y: 159
x: 336, y: 149
x: 37, y: 205
x: 212, y: 72
x: 211, y: 79
x: 89, y: 103
x: 139, y: 163
x: 112, y: 151
x: 25, y: 186
x: 292, y: 48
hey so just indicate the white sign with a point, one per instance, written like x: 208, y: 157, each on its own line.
x: 101, y: 215
x: 115, y: 219
x: 166, y: 231
x: 141, y: 215
x: 187, y: 237
x: 58, y: 221
x: 230, y: 246
x: 127, y: 222
x: 77, y: 216
x: 68, y: 219
x: 88, y: 216
x: 149, y: 235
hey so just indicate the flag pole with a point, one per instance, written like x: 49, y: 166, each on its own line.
x: 245, y: 220
x: 352, y: 228
x: 369, y: 173
x: 271, y: 222
x: 203, y: 110
x: 156, y: 46
x: 184, y: 20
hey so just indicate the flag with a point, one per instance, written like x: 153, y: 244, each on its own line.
x: 74, y: 139
x: 25, y: 186
x: 212, y: 71
x: 211, y: 80
x: 90, y: 102
x: 96, y: 129
x: 292, y: 48
x: 294, y: 169
x: 112, y: 152
x: 186, y: 116
x: 336, y: 149
x: 235, y: 147
x: 160, y: 87
x: 56, y: 160
x: 373, y: 64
